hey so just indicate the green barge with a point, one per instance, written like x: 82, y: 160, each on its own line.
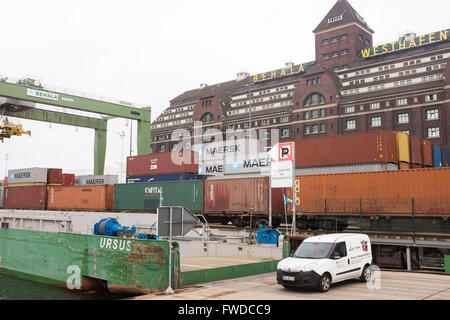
x: 86, y: 262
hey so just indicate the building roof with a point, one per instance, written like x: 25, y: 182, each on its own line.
x: 342, y: 13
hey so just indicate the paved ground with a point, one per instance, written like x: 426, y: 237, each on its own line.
x: 393, y: 286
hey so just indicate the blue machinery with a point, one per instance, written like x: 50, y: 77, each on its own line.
x: 112, y: 227
x: 266, y: 234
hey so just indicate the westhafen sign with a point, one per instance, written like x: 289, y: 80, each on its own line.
x: 404, y: 44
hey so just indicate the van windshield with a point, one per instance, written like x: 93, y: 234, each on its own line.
x: 313, y: 250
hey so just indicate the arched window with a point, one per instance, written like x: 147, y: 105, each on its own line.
x: 207, y: 117
x: 314, y: 99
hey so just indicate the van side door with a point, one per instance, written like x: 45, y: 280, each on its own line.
x: 340, y: 261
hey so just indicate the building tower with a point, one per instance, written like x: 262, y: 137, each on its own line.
x: 340, y: 37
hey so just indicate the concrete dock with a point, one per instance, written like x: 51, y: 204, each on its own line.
x: 392, y: 286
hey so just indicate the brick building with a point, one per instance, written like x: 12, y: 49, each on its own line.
x: 351, y: 86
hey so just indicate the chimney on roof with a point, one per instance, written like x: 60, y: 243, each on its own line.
x: 242, y: 75
x: 288, y: 65
x: 203, y: 85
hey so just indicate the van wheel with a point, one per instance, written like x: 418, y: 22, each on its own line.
x: 366, y: 274
x: 324, y: 283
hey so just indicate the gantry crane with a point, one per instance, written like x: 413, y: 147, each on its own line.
x: 8, y: 129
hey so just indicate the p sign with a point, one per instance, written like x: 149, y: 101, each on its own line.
x: 285, y: 151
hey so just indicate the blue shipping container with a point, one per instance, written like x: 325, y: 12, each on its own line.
x: 166, y: 177
x: 445, y: 157
x: 437, y: 156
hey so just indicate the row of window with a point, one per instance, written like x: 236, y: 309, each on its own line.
x: 335, y: 54
x: 393, y: 66
x: 398, y: 102
x: 206, y: 103
x: 376, y: 122
x: 314, y: 114
x: 264, y: 122
x: 334, y: 39
x: 179, y: 109
x: 315, y: 128
x: 313, y: 82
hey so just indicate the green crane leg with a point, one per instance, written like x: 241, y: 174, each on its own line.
x: 144, y: 133
x: 99, y: 151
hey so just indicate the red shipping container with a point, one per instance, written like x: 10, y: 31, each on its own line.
x: 25, y: 197
x: 415, y: 149
x: 68, y: 179
x: 427, y: 153
x: 160, y: 163
x: 361, y: 148
x: 54, y: 176
x: 237, y: 195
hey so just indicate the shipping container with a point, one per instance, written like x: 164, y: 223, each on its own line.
x: 146, y: 196
x: 90, y: 198
x: 166, y: 177
x: 427, y: 153
x: 404, y: 166
x: 361, y: 148
x: 445, y: 156
x: 437, y: 156
x: 416, y: 154
x: 375, y: 192
x: 54, y: 176
x: 25, y: 197
x: 68, y: 179
x: 374, y: 167
x: 2, y: 190
x: 92, y: 180
x: 403, y: 147
x: 27, y: 176
x: 237, y: 195
x: 161, y: 163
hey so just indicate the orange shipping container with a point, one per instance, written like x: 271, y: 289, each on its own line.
x: 91, y: 198
x: 380, y: 192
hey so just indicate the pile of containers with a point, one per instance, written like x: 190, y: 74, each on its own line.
x: 43, y: 188
x: 27, y: 188
x: 362, y: 152
x: 441, y: 156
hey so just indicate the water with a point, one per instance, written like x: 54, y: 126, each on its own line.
x: 15, y: 288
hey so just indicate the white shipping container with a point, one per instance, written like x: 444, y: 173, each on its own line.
x: 96, y: 180
x: 28, y: 175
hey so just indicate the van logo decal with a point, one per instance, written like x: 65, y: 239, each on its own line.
x: 364, y: 245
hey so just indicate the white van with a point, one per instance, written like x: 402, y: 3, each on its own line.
x: 320, y: 261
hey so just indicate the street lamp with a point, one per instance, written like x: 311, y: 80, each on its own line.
x: 122, y: 136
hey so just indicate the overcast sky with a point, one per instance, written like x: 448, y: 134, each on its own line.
x: 151, y: 51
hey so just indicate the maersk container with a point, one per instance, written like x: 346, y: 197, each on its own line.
x: 25, y: 197
x: 146, y: 196
x: 92, y: 180
x: 361, y: 148
x: 427, y: 153
x: 415, y: 148
x: 166, y: 177
x: 162, y: 163
x: 27, y: 176
x: 437, y: 156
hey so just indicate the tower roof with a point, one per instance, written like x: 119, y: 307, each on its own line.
x: 341, y: 14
